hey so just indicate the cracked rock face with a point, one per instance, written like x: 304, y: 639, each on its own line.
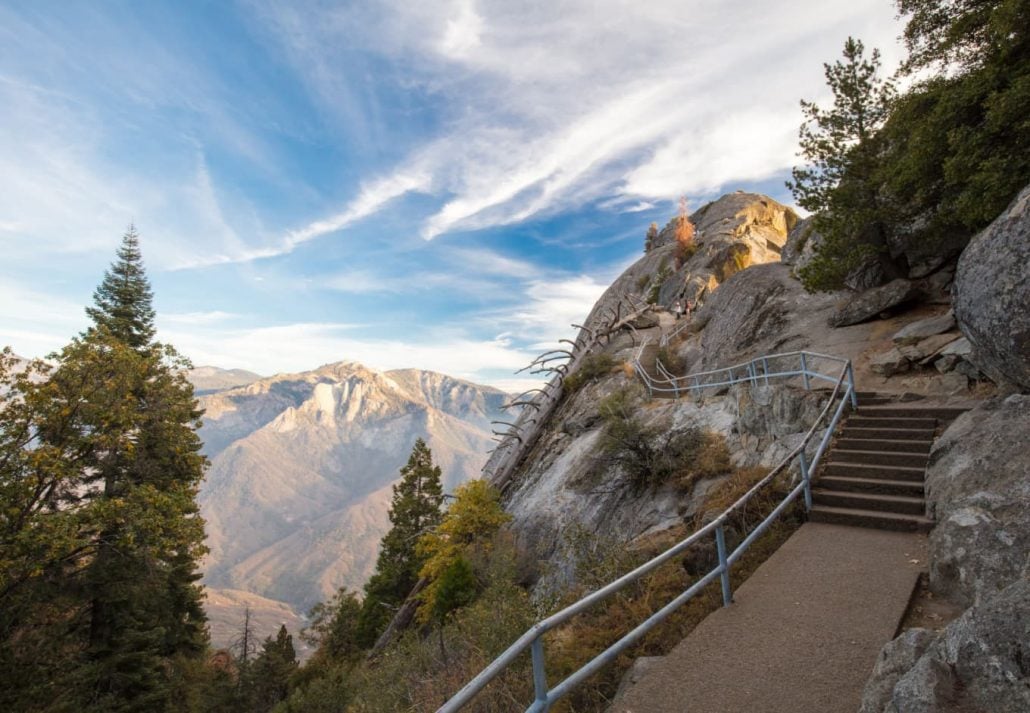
x: 992, y: 295
x: 978, y: 490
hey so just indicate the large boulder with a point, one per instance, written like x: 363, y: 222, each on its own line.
x: 915, y: 331
x: 978, y: 490
x: 871, y: 303
x: 895, y: 660
x: 992, y: 295
x: 978, y: 663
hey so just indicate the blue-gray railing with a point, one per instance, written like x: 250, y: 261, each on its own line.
x: 755, y: 371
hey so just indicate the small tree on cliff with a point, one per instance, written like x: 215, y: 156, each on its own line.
x: 838, y: 184
x: 651, y: 237
x: 414, y: 510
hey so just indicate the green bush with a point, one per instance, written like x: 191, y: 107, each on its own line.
x: 656, y: 287
x: 650, y: 456
x: 591, y: 368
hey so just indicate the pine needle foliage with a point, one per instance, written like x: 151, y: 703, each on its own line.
x: 100, y: 530
x: 414, y: 510
x: 123, y: 300
x: 837, y: 183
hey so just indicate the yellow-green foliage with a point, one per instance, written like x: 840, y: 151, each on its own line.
x: 419, y: 672
x: 593, y: 367
x: 467, y: 530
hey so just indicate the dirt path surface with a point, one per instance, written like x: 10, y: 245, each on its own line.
x: 802, y: 634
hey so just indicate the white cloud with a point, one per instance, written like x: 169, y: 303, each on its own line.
x: 463, y: 30
x: 558, y: 105
x: 371, y: 198
x: 304, y: 346
x: 199, y: 318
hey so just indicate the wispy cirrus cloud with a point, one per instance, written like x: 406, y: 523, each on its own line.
x: 561, y: 105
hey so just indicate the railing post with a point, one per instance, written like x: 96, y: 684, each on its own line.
x: 851, y: 383
x: 754, y: 376
x: 806, y: 480
x: 804, y: 373
x: 765, y: 370
x: 724, y: 566
x: 539, y: 675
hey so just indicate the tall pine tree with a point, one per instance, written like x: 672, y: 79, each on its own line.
x: 144, y: 601
x: 102, y: 462
x: 414, y: 510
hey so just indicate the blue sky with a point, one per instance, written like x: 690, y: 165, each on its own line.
x: 443, y: 185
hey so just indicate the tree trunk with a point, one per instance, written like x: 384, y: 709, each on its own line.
x: 401, y: 620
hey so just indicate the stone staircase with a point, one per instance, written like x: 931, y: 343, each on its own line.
x: 874, y: 473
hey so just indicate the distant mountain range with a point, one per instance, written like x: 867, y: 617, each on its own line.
x: 209, y: 379
x: 297, y: 494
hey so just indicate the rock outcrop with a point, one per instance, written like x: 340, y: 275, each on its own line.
x: 871, y: 303
x: 802, y: 244
x: 978, y: 663
x: 992, y: 295
x: 978, y: 490
x: 734, y: 232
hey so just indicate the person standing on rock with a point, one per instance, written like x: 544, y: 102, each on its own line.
x: 677, y: 309
x: 690, y: 308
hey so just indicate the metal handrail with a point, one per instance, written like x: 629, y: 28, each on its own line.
x: 532, y: 640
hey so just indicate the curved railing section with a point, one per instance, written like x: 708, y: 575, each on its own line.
x: 762, y: 370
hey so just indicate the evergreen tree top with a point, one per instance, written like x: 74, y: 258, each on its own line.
x: 123, y: 300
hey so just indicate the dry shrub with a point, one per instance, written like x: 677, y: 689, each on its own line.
x: 685, y: 245
x: 708, y: 458
x: 627, y: 370
x: 671, y: 360
x: 573, y: 645
x: 592, y: 368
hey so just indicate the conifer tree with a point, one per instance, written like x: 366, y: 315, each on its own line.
x: 838, y: 184
x: 103, y: 461
x: 271, y: 672
x: 651, y: 237
x: 123, y: 299
x: 414, y: 509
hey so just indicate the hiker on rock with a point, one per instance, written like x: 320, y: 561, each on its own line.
x: 677, y: 309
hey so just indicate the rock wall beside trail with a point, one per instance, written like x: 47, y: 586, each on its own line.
x: 978, y: 489
x: 566, y: 481
x: 992, y: 295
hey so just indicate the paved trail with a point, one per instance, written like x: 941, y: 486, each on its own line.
x: 802, y: 634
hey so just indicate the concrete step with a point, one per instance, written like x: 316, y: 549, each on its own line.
x: 944, y: 413
x: 882, y: 472
x: 870, y: 501
x: 872, y: 398
x: 883, y: 444
x: 893, y: 434
x: 905, y: 423
x: 870, y: 518
x: 888, y: 458
x: 912, y: 488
